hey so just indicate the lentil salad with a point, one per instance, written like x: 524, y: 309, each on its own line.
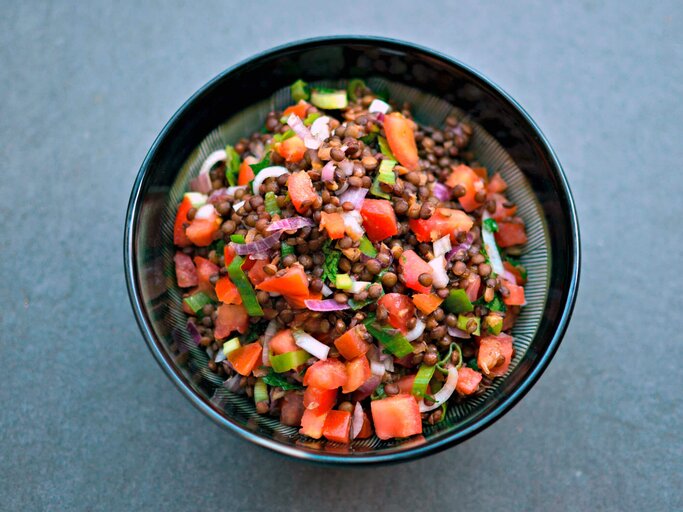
x: 350, y: 269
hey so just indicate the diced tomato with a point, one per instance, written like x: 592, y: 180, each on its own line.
x: 231, y: 317
x: 465, y: 176
x: 282, y: 342
x: 256, y: 273
x: 327, y: 374
x: 515, y: 271
x: 379, y: 219
x: 292, y: 149
x: 352, y: 344
x: 301, y: 190
x: 427, y: 303
x: 333, y: 223
x: 502, y: 212
x: 445, y: 221
x: 510, y: 233
x: 497, y: 184
x: 322, y: 400
x: 495, y: 354
x: 229, y: 254
x: 181, y: 222
x: 412, y: 267
x: 468, y: 381
x: 299, y: 110
x: 205, y: 270
x: 292, y: 409
x: 246, y: 173
x: 401, y: 139
x: 245, y: 358
x: 298, y: 301
x: 510, y: 318
x: 473, y: 285
x: 482, y: 173
x: 400, y: 309
x: 516, y: 296
x: 366, y: 429
x: 292, y: 283
x: 396, y: 416
x: 358, y: 371
x: 185, y: 271
x: 227, y: 292
x: 405, y: 384
x: 312, y: 423
x: 201, y: 231
x: 337, y: 426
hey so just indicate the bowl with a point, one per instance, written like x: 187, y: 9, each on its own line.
x: 235, y: 103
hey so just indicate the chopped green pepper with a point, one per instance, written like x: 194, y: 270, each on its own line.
x: 259, y: 166
x: 311, y: 117
x: 238, y: 239
x: 286, y: 249
x: 270, y: 203
x: 241, y: 281
x: 367, y: 248
x: 329, y: 99
x: 464, y: 320
x: 343, y: 281
x: 458, y: 302
x: 288, y: 361
x: 260, y: 391
x: 422, y: 378
x: 279, y: 137
x: 392, y: 339
x: 197, y: 301
x: 299, y: 90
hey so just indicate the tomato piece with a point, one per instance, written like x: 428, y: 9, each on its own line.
x: 427, y: 303
x: 185, y: 271
x: 411, y: 267
x: 400, y: 308
x: 366, y: 429
x: 292, y: 282
x: 298, y: 301
x: 205, y: 270
x: 327, y: 374
x: 321, y: 400
x: 510, y: 318
x: 358, y: 371
x: 379, y: 219
x: 497, y: 184
x: 502, y: 212
x: 396, y: 416
x: 229, y: 254
x: 510, y: 233
x: 472, y: 288
x: 337, y: 426
x: 516, y: 296
x: 352, y: 344
x: 495, y: 354
x: 333, y: 223
x: 227, y: 292
x: 299, y: 110
x: 181, y: 222
x: 201, y: 231
x: 468, y: 381
x: 282, y: 342
x: 246, y: 173
x: 292, y: 149
x: 444, y: 221
x: 245, y: 358
x: 301, y: 190
x: 465, y: 176
x: 515, y: 271
x: 256, y: 273
x: 405, y: 384
x: 231, y: 317
x: 401, y: 139
x: 312, y: 423
x: 482, y: 173
x: 292, y: 409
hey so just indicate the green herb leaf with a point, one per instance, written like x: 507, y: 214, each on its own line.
x: 491, y: 225
x: 276, y: 380
x: 369, y: 138
x: 254, y: 332
x: 286, y: 249
x: 330, y: 266
x: 472, y: 363
x: 232, y: 165
x: 378, y: 393
x: 517, y: 264
x: 497, y: 304
x: 259, y: 166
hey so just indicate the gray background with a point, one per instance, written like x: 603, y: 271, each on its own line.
x: 89, y: 421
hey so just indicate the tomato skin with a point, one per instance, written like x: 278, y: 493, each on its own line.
x: 502, y: 212
x: 401, y: 139
x: 411, y: 267
x: 396, y: 416
x: 427, y: 303
x: 515, y: 272
x: 358, y: 371
x: 468, y: 380
x: 472, y: 289
x: 351, y: 344
x: 293, y: 283
x: 490, y: 347
x: 231, y: 317
x: 300, y: 189
x: 246, y: 173
x: 201, y: 231
x: 444, y: 221
x: 282, y: 342
x: 516, y: 296
x: 510, y: 233
x: 299, y: 109
x: 405, y: 384
x: 337, y: 426
x: 205, y: 269
x: 465, y: 176
x: 185, y: 271
x: 379, y: 219
x: 227, y: 292
x: 246, y: 358
x: 497, y: 184
x: 400, y: 308
x: 292, y: 149
x: 366, y: 429
x: 256, y: 273
x: 321, y: 400
x: 181, y: 222
x: 327, y: 374
x: 312, y: 423
x: 229, y: 254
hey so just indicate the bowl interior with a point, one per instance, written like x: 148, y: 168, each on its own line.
x: 225, y: 110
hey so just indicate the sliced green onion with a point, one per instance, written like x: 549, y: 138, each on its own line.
x: 367, y: 248
x: 260, y: 391
x: 197, y: 301
x: 241, y: 281
x: 376, y: 190
x: 353, y: 86
x: 279, y: 137
x: 343, y: 281
x: 329, y: 100
x: 299, y: 90
x: 231, y: 345
x: 458, y: 302
x: 422, y: 378
x: 384, y: 147
x: 464, y: 320
x: 238, y: 239
x: 270, y: 203
x: 289, y: 361
x: 286, y: 249
x: 311, y: 117
x: 392, y: 339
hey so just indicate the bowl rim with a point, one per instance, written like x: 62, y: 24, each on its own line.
x: 428, y: 448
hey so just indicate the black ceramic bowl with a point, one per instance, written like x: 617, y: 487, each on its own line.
x: 235, y: 103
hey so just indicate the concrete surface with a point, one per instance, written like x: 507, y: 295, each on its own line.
x: 88, y: 420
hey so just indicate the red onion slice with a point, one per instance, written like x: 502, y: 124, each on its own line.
x: 271, y: 330
x: 327, y: 173
x: 233, y: 383
x: 290, y: 224
x: 205, y: 212
x: 201, y: 183
x: 325, y: 305
x: 491, y: 247
x: 346, y: 166
x: 441, y: 192
x: 258, y: 246
x: 296, y: 124
x: 465, y: 246
x: 459, y: 333
x: 416, y: 331
x: 320, y: 128
x: 194, y: 332
x: 439, y: 275
x: 355, y: 196
x: 269, y: 172
x: 357, y: 421
x: 217, y: 156
x: 367, y: 388
x: 444, y: 393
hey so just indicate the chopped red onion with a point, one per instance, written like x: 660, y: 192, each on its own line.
x: 233, y: 383
x: 458, y: 333
x: 352, y: 223
x: 387, y: 360
x: 326, y: 291
x: 269, y: 172
x: 217, y: 156
x: 439, y: 275
x: 201, y: 183
x: 346, y: 166
x: 380, y: 117
x: 465, y: 246
x: 205, y: 212
x: 442, y: 246
x: 290, y: 224
x: 341, y: 189
x: 260, y: 256
x: 325, y: 305
x: 416, y: 331
x: 444, y: 393
x: 194, y: 332
x: 311, y: 142
x: 258, y: 246
x: 508, y: 276
x: 311, y: 345
x: 367, y: 388
x: 379, y: 106
x: 441, y: 192
x: 271, y: 330
x: 377, y: 368
x: 218, y: 196
x: 296, y: 124
x: 358, y: 286
x: 320, y: 128
x: 357, y: 420
x: 355, y: 196
x: 220, y: 356
x: 491, y: 247
x: 327, y: 173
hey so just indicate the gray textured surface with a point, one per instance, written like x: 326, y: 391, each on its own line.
x: 88, y: 420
